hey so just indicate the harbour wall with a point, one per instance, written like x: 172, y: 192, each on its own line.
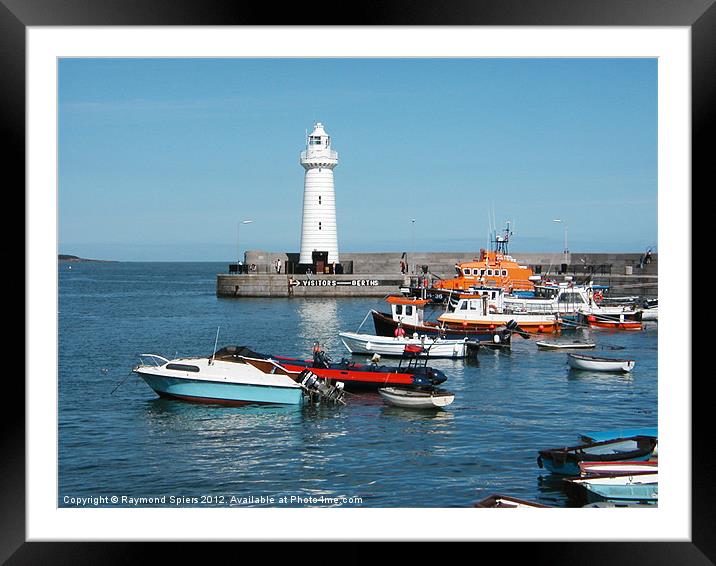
x: 378, y: 274
x: 443, y: 263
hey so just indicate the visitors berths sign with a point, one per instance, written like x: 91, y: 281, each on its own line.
x: 334, y: 283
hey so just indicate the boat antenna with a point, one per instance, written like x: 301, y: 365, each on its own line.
x: 216, y: 342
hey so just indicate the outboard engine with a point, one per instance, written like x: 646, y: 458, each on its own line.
x: 319, y: 389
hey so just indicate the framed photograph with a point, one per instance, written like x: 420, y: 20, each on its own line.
x: 93, y: 130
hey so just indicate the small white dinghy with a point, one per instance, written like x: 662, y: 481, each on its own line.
x: 561, y: 345
x: 594, y: 363
x: 413, y: 399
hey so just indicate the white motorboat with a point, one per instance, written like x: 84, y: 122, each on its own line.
x: 594, y: 363
x: 562, y: 345
x: 414, y: 399
x: 432, y: 346
x: 232, y: 380
x: 483, y: 308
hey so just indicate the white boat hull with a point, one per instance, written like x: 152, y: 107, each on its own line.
x: 650, y: 314
x: 389, y: 346
x: 565, y: 345
x: 600, y: 364
x: 219, y: 382
x: 416, y: 399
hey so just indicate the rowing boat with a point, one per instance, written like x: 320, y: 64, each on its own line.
x: 594, y: 363
x: 560, y: 345
x: 414, y: 399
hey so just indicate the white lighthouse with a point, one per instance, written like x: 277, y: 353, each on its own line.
x: 318, y: 228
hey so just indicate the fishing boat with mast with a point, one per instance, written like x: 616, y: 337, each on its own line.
x: 409, y: 314
x: 483, y: 310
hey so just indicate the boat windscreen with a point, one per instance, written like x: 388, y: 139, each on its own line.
x: 234, y: 352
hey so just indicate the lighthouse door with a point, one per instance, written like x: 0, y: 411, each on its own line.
x: 319, y: 261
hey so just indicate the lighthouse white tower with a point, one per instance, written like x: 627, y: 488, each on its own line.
x: 318, y: 228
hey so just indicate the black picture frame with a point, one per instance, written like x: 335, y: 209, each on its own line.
x: 699, y: 16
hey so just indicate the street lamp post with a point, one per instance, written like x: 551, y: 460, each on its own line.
x: 238, y: 234
x: 566, y: 248
x: 412, y: 243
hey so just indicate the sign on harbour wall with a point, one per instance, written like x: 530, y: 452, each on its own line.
x: 335, y: 283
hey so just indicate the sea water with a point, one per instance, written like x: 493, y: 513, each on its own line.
x: 146, y: 451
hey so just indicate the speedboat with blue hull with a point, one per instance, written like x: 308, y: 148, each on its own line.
x: 566, y: 460
x: 229, y: 382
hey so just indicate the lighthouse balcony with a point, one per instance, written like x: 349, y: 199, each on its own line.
x: 319, y: 157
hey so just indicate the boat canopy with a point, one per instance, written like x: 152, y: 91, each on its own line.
x: 229, y: 353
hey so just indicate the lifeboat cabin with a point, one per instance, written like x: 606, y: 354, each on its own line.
x: 492, y: 269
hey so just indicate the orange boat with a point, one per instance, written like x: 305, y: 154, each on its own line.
x: 494, y: 268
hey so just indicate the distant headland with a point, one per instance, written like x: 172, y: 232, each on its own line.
x: 74, y: 258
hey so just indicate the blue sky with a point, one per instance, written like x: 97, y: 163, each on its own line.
x: 159, y: 159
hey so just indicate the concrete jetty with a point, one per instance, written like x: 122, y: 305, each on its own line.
x: 378, y: 274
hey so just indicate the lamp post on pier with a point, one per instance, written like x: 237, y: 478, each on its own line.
x: 565, y: 257
x: 238, y: 234
x: 412, y: 245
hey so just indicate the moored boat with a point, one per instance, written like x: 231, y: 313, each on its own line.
x: 483, y: 310
x: 409, y: 314
x: 411, y: 373
x: 434, y: 347
x: 497, y: 501
x: 229, y: 382
x: 496, y: 268
x: 412, y: 399
x: 604, y: 435
x: 617, y: 488
x: 612, y: 468
x: 564, y: 345
x: 596, y: 318
x: 566, y: 460
x: 595, y: 363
